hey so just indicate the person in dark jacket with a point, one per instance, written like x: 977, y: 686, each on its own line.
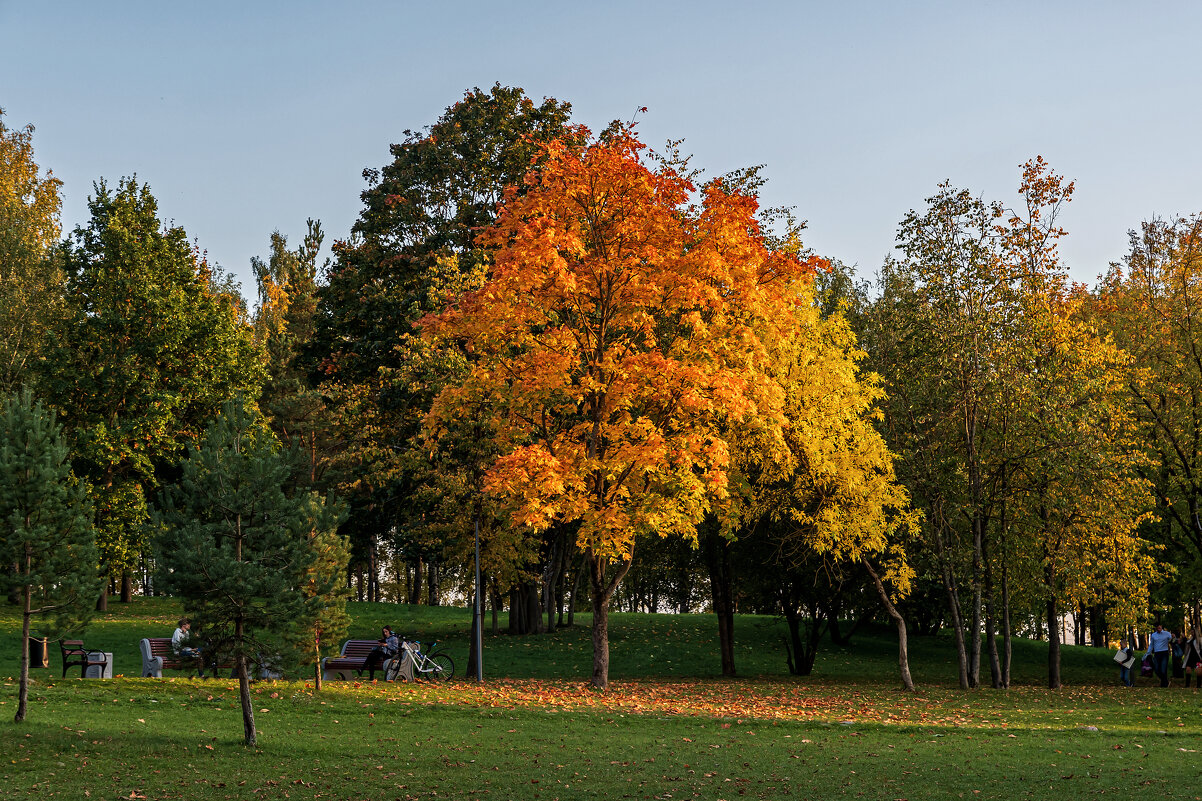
x: 1192, y: 660
x: 1125, y: 668
x: 386, y: 648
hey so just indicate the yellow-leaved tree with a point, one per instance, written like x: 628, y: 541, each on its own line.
x: 620, y: 329
x: 828, y: 499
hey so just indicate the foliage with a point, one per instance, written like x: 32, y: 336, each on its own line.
x: 153, y: 343
x: 252, y: 564
x: 1077, y: 500
x: 1009, y: 411
x: 933, y: 334
x: 617, y: 330
x: 45, y: 531
x: 828, y: 500
x: 1149, y: 304
x: 30, y: 280
x: 283, y: 326
x: 413, y: 244
x: 833, y: 491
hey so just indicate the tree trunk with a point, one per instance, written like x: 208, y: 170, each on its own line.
x: 602, y: 590
x: 974, y: 636
x: 525, y: 612
x: 534, y: 609
x: 415, y: 589
x: 600, y: 636
x: 957, y: 623
x: 575, y: 589
x: 717, y: 559
x: 1053, y: 646
x: 249, y: 734
x: 373, y: 571
x: 1099, y: 626
x: 550, y: 582
x: 995, y: 667
x: 903, y: 641
x: 495, y: 600
x: 26, y: 612
x: 834, y: 608
x: 1007, y: 643
x: 317, y: 662
x: 432, y: 583
x: 127, y: 587
x: 944, y: 557
x: 472, y: 655
x: 561, y: 591
x: 799, y: 654
x: 102, y: 603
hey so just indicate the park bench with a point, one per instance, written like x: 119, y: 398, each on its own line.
x: 74, y: 654
x: 157, y: 656
x: 350, y: 661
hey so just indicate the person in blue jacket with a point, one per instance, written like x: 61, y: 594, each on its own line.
x: 1160, y: 648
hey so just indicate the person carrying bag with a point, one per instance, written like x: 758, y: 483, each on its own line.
x: 1125, y: 657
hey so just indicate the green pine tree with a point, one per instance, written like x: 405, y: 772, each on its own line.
x: 45, y: 526
x: 241, y: 553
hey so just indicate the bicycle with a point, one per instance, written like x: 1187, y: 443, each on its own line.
x: 434, y: 665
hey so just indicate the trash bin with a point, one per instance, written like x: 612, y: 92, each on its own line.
x: 96, y: 670
x: 39, y: 656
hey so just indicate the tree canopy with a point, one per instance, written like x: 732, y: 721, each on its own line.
x: 153, y: 342
x: 31, y: 282
x: 618, y: 328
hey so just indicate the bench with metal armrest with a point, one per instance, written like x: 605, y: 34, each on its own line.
x: 75, y: 654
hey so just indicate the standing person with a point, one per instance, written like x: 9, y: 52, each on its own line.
x: 181, y: 636
x: 1192, y: 661
x: 1160, y: 648
x: 386, y: 649
x: 1178, y: 654
x: 1128, y: 662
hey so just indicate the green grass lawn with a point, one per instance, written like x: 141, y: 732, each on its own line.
x: 669, y: 727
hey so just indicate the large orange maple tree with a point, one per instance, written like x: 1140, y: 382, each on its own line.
x: 626, y: 319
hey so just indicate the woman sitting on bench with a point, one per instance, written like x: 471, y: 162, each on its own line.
x: 385, y: 650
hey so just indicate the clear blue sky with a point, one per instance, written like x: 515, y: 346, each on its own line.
x: 245, y: 118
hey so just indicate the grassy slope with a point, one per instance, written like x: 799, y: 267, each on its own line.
x: 667, y: 727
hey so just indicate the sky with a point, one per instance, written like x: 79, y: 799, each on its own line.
x: 246, y: 118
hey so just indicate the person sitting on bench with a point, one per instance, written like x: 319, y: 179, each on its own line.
x: 386, y: 649
x: 178, y: 639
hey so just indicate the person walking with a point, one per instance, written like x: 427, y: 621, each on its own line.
x: 1192, y: 660
x: 1128, y: 662
x: 1160, y: 648
x: 1178, y: 655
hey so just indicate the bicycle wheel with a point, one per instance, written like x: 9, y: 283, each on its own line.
x: 442, y: 667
